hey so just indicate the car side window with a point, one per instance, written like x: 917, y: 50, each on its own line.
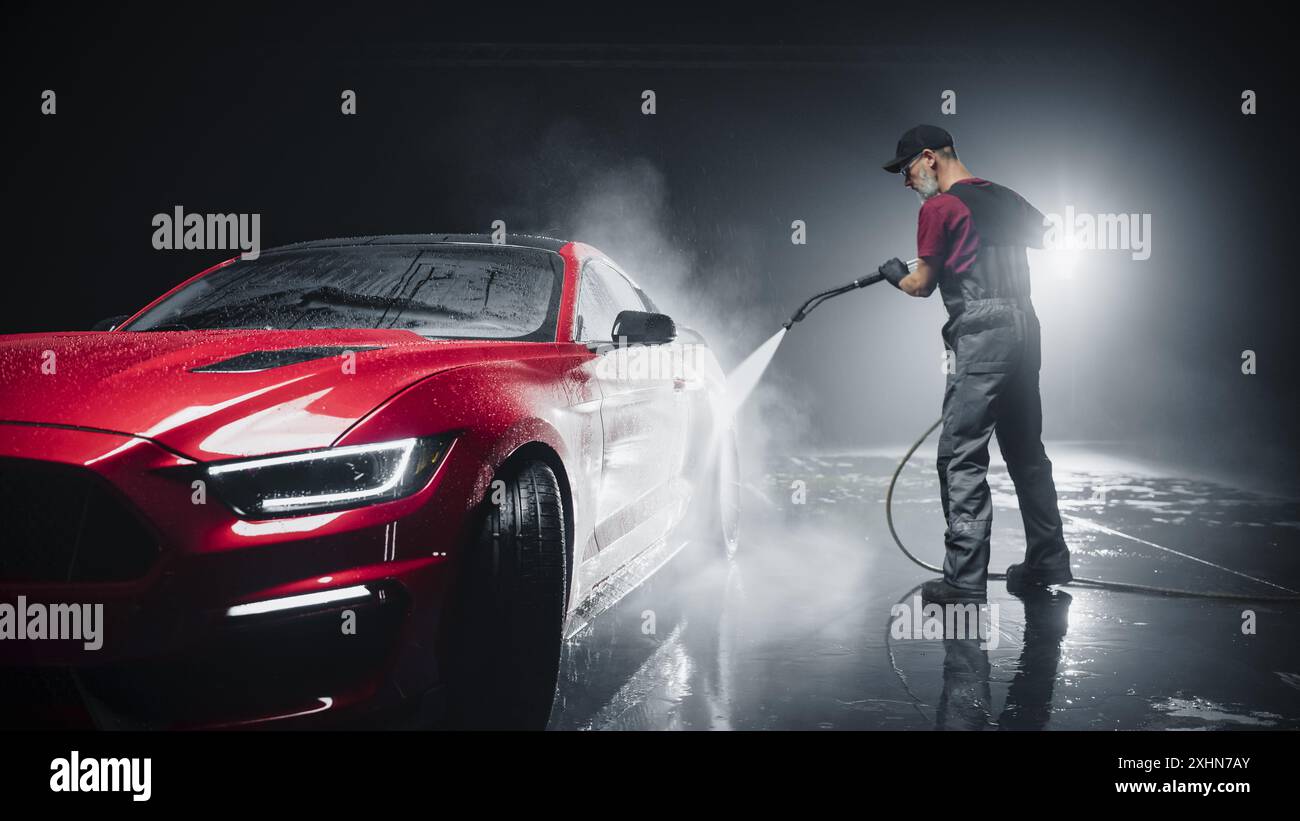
x: 596, y: 310
x: 602, y: 293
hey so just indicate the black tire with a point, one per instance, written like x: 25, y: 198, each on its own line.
x: 506, y: 654
x: 714, y: 516
x: 727, y: 520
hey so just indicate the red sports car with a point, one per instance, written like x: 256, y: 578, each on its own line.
x: 364, y: 481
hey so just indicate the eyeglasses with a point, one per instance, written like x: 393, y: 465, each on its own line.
x: 908, y: 167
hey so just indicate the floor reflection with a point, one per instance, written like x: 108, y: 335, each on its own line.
x: 789, y: 634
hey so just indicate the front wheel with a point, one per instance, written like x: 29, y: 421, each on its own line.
x: 715, y: 506
x: 508, y: 639
x: 728, y: 516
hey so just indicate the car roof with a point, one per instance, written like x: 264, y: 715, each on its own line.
x: 519, y: 240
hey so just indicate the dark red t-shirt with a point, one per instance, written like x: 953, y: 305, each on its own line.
x: 944, y: 230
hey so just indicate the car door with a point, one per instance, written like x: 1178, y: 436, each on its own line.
x: 643, y: 415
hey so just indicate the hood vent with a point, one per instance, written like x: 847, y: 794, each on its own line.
x: 265, y: 360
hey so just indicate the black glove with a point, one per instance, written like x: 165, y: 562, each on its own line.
x: 894, y: 271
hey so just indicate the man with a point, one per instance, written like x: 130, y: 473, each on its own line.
x: 971, y: 241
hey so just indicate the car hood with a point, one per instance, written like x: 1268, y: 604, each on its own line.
x: 219, y: 394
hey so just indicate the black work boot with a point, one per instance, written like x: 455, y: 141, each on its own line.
x: 1021, y: 578
x: 939, y: 591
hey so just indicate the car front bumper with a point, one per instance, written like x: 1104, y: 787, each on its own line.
x: 314, y: 620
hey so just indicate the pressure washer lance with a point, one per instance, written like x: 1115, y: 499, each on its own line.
x: 817, y: 299
x: 872, y: 279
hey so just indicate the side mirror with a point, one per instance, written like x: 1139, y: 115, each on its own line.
x: 643, y: 328
x: 110, y: 323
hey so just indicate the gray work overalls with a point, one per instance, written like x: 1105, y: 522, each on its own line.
x: 993, y: 333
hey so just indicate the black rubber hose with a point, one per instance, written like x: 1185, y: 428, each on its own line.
x: 1104, y: 585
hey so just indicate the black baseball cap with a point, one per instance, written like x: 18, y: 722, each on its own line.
x: 914, y: 141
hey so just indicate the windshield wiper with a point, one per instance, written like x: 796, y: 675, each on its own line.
x: 330, y: 295
x: 171, y: 326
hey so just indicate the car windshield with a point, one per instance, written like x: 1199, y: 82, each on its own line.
x: 441, y: 291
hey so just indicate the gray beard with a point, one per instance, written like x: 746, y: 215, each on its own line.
x: 927, y: 186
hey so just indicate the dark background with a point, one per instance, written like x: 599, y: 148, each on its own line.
x: 472, y: 113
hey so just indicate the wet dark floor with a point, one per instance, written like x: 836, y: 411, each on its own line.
x: 795, y: 632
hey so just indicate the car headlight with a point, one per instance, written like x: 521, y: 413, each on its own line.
x: 329, y: 479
